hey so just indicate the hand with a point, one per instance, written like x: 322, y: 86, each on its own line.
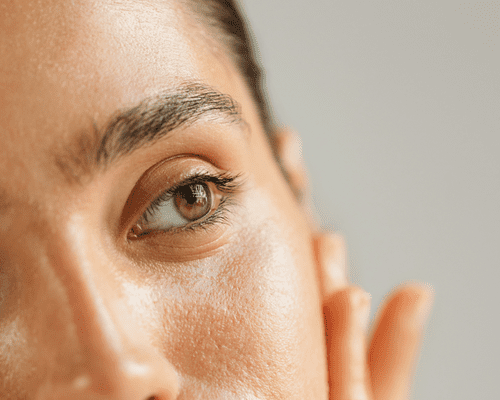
x: 382, y: 369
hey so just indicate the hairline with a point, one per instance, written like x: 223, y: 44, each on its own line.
x: 209, y: 28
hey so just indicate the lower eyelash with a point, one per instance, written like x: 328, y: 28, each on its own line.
x: 225, y: 183
x: 220, y: 216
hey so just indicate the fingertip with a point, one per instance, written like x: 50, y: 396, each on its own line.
x: 348, y: 298
x: 417, y: 289
x: 330, y: 251
x: 411, y: 303
x: 345, y: 304
x: 346, y: 317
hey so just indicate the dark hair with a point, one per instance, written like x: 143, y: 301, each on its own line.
x: 227, y: 25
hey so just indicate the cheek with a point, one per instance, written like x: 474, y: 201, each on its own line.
x: 250, y: 322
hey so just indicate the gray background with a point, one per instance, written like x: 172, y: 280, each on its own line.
x: 398, y: 105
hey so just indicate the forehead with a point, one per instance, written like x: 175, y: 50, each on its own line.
x: 65, y: 63
x: 79, y: 42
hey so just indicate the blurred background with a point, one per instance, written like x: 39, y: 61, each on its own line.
x: 398, y: 105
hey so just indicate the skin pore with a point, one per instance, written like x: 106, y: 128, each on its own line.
x: 114, y: 116
x: 226, y: 311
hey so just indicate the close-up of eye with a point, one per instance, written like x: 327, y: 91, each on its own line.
x: 197, y: 202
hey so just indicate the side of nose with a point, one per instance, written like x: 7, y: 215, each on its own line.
x: 114, y: 360
x: 138, y: 375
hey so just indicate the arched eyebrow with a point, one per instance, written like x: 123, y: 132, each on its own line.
x: 143, y: 125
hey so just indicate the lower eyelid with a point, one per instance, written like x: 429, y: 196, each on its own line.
x: 217, y: 215
x: 220, y: 216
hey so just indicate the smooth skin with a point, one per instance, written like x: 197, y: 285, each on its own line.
x: 230, y: 311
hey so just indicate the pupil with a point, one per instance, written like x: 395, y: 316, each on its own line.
x: 193, y: 201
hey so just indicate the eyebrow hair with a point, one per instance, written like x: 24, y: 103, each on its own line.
x: 143, y: 125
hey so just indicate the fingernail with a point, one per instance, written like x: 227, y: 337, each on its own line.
x: 414, y: 304
x: 424, y: 306
x: 332, y: 251
x: 292, y: 151
x: 362, y: 305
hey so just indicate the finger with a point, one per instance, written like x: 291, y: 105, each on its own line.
x: 396, y: 341
x: 346, y: 318
x: 330, y: 253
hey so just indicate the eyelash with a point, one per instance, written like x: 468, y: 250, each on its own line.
x: 225, y: 183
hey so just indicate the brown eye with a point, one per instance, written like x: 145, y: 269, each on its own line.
x: 198, y: 201
x: 193, y: 201
x: 187, y: 203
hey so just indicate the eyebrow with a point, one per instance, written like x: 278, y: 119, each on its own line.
x: 143, y: 125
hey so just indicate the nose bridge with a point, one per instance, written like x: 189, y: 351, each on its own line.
x: 76, y: 264
x: 113, y: 364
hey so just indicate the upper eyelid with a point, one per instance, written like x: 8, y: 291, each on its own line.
x: 203, y: 178
x: 224, y: 181
x: 235, y: 185
x: 165, y: 176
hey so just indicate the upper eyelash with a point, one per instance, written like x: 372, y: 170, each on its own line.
x: 224, y: 181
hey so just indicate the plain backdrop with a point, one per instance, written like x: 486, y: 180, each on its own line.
x: 398, y: 105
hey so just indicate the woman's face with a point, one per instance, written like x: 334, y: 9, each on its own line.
x: 149, y: 243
